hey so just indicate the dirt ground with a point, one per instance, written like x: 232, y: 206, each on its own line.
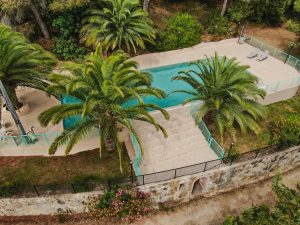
x: 276, y: 36
x: 204, y: 211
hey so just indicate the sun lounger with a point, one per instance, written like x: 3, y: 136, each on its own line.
x: 253, y: 54
x: 263, y: 55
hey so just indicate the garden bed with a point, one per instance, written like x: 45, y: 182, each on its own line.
x: 288, y: 110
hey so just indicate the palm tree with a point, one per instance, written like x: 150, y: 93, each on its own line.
x: 117, y: 24
x: 228, y: 93
x: 22, y: 63
x: 110, y: 92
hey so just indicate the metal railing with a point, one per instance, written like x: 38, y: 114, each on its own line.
x: 54, y: 189
x: 137, y: 159
x: 13, y: 141
x: 51, y: 189
x: 276, y: 53
x: 282, y: 56
x: 213, y: 144
x: 205, y: 166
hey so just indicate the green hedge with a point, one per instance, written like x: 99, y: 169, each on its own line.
x: 182, y: 31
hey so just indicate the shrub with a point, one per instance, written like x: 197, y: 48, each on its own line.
x: 286, y: 210
x: 67, y: 25
x: 83, y: 183
x: 286, y: 132
x: 65, y: 44
x: 182, y: 31
x: 259, y: 11
x: 239, y: 10
x: 8, y: 189
x: 216, y: 24
x: 275, y: 11
x: 68, y: 49
x: 126, y: 204
x: 293, y: 25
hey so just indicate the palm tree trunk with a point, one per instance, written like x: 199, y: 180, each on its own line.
x: 13, y: 97
x: 224, y: 7
x: 1, y: 104
x: 39, y: 20
x: 146, y: 5
x: 110, y: 144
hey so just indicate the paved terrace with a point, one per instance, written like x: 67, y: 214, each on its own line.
x: 269, y: 71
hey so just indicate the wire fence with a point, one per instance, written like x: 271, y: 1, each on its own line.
x: 85, y: 186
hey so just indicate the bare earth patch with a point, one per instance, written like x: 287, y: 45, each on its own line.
x: 276, y: 36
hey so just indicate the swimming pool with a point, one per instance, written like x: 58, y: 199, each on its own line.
x: 162, y: 79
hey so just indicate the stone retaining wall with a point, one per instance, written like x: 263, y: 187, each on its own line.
x: 180, y: 189
x: 224, y: 179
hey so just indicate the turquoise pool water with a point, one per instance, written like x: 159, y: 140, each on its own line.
x: 162, y: 78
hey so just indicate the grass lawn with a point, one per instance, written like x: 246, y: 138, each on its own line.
x: 289, y: 109
x: 63, y: 169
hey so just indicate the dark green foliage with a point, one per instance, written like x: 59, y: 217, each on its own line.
x: 182, y: 31
x: 287, y: 209
x: 66, y: 24
x: 275, y: 11
x: 106, y: 199
x: 259, y: 11
x: 83, y: 183
x: 293, y: 25
x: 286, y: 132
x: 66, y: 43
x: 68, y: 49
x: 216, y: 24
x: 8, y: 190
x: 239, y: 10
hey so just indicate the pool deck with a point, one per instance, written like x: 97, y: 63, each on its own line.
x: 269, y: 71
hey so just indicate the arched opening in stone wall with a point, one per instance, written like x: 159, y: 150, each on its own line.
x: 200, y: 185
x: 197, y: 188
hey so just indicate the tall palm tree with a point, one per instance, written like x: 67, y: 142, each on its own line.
x: 228, y: 93
x: 117, y: 24
x: 22, y: 63
x: 110, y: 92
